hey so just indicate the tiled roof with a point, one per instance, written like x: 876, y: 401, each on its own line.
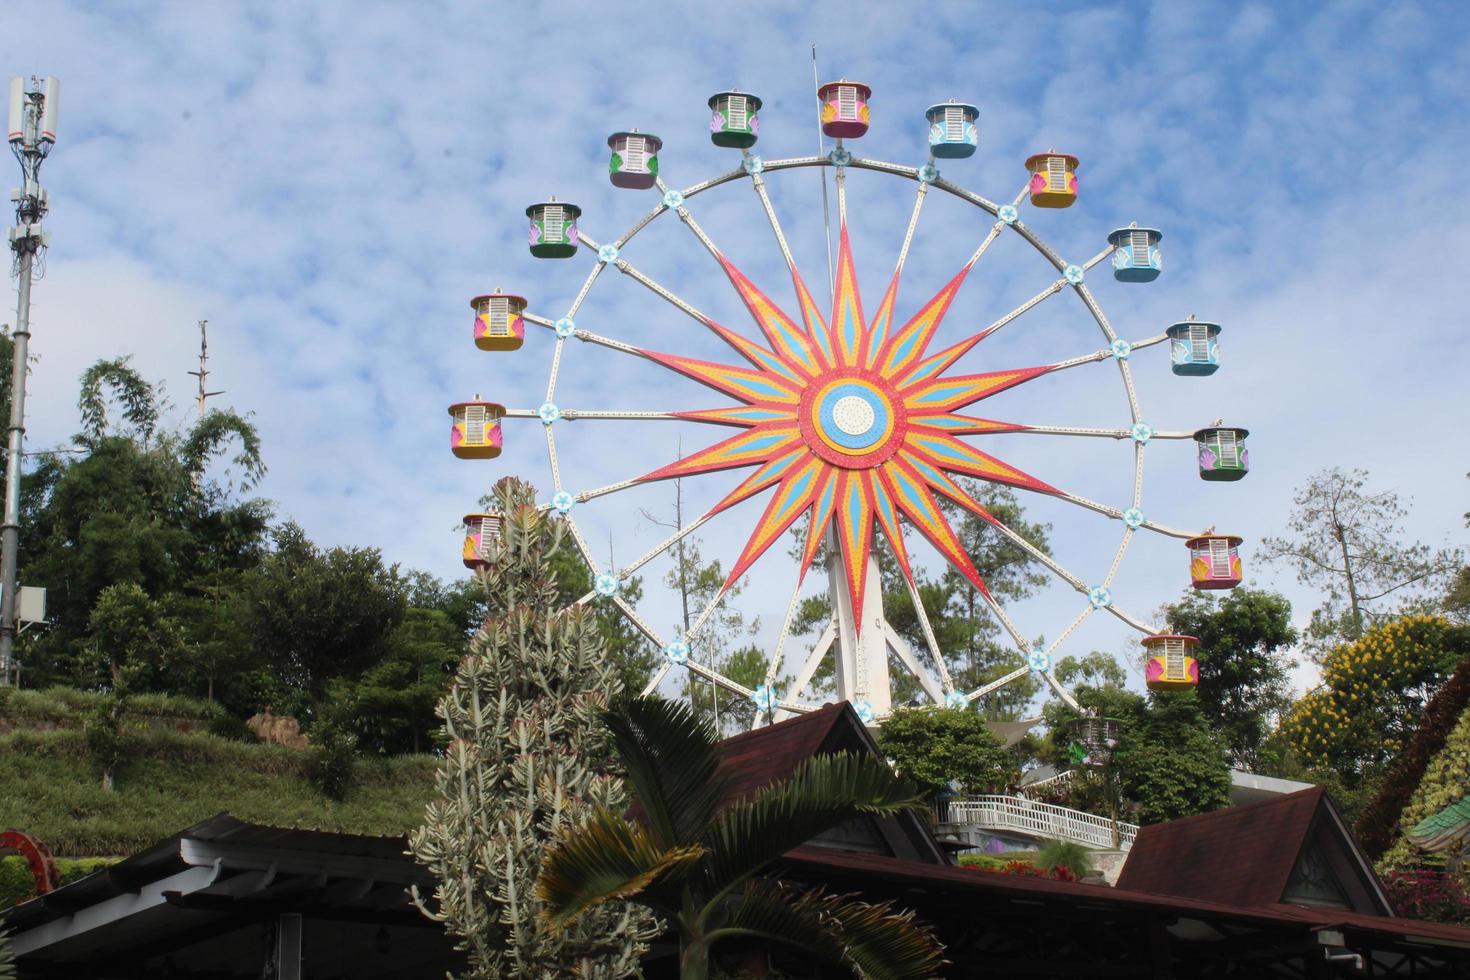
x: 960, y: 881
x: 1241, y: 855
x: 757, y: 758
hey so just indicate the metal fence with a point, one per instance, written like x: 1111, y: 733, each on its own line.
x: 1036, y: 819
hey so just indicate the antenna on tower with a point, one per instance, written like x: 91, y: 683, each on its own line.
x: 203, y: 373
x: 31, y: 133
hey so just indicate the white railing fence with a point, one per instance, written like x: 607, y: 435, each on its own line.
x: 1061, y: 781
x: 1035, y: 819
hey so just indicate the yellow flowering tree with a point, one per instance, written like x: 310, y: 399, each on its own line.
x: 1372, y: 695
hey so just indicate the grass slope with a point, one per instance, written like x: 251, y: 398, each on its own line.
x: 50, y: 789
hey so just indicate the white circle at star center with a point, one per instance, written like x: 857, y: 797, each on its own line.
x: 853, y: 415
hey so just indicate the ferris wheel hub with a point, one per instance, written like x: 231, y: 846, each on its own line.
x: 851, y: 419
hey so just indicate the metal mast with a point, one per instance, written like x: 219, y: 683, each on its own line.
x: 32, y: 134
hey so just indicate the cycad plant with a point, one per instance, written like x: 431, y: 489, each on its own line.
x: 699, y: 863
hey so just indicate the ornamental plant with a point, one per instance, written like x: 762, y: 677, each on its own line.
x: 1434, y: 896
x: 527, y: 758
x: 1446, y: 780
x: 1373, y: 694
x: 701, y: 860
x: 1378, y: 825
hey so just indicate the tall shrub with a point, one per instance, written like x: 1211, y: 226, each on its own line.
x: 527, y: 756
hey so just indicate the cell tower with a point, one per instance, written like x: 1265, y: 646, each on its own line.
x: 32, y: 134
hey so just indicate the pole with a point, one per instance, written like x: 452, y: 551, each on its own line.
x: 32, y: 134
x: 822, y: 173
x: 10, y: 530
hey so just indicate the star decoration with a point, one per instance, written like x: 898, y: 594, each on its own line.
x: 854, y: 423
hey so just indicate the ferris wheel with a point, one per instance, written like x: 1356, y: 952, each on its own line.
x: 854, y: 426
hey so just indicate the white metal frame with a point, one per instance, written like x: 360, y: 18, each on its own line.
x: 862, y: 669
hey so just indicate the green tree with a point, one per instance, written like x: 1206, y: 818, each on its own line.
x: 133, y: 639
x: 526, y: 758
x: 1095, y: 670
x: 389, y: 707
x: 1244, y: 677
x: 699, y: 865
x: 138, y: 507
x: 1457, y: 599
x: 1349, y: 544
x: 1373, y: 695
x: 315, y: 615
x: 1170, y: 763
x: 935, y: 747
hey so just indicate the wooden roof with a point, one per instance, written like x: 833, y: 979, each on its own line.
x: 753, y: 760
x: 1250, y: 856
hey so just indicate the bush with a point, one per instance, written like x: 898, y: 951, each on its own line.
x: 1065, y: 854
x: 1434, y: 896
x: 18, y: 885
x: 67, y: 707
x: 234, y: 729
x: 1446, y: 780
x: 332, y: 761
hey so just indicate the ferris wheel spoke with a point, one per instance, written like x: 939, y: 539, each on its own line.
x: 665, y: 545
x: 793, y: 355
x: 808, y: 669
x: 715, y: 677
x: 757, y: 355
x: 901, y: 649
x: 811, y: 316
x: 1118, y: 558
x: 1061, y: 691
x: 688, y: 219
x: 1133, y: 621
x: 992, y: 686
x: 774, y: 669
x: 586, y: 335
x: 1045, y: 294
x: 638, y: 622
x: 574, y: 414
x: 556, y: 354
x: 928, y: 630
x: 657, y: 678
x: 581, y: 296
x: 883, y: 319
x: 1068, y: 430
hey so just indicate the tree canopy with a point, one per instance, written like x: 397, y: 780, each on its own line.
x: 937, y: 747
x: 1244, y: 678
x: 1348, y: 543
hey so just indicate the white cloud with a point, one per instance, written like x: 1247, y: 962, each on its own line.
x: 329, y: 183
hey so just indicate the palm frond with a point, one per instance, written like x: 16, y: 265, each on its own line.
x: 881, y: 942
x: 672, y: 759
x: 605, y: 858
x: 876, y: 941
x: 823, y: 792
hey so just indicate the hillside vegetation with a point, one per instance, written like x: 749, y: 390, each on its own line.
x: 49, y: 788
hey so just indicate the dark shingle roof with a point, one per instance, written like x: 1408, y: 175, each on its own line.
x: 1241, y: 855
x: 753, y: 760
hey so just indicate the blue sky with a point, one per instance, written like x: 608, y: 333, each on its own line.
x: 328, y: 184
